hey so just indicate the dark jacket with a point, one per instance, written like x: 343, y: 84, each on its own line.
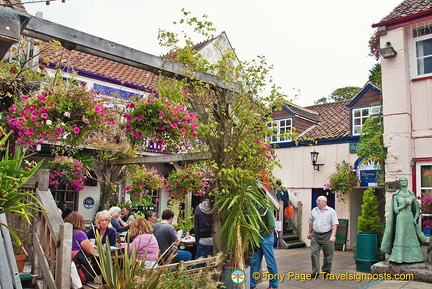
x: 203, y: 224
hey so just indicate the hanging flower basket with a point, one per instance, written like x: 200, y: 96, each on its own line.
x: 160, y: 122
x: 187, y: 179
x: 143, y: 181
x: 343, y: 180
x: 68, y: 172
x: 56, y: 115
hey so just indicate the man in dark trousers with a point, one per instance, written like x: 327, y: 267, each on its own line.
x: 323, y: 222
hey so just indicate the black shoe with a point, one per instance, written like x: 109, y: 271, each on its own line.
x: 315, y: 275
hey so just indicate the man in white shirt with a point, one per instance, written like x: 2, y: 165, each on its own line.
x: 323, y: 222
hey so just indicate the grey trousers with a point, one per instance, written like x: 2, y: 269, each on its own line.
x: 318, y: 242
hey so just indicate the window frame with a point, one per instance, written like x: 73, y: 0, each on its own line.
x: 363, y: 118
x: 414, y: 71
x: 276, y: 138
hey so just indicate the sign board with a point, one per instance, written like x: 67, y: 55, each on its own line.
x: 353, y: 147
x: 341, y: 233
x: 278, y: 226
x: 88, y: 203
x: 368, y: 171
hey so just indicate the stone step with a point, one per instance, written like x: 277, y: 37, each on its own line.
x: 298, y: 244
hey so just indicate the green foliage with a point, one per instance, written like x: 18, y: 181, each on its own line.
x: 190, y: 178
x: 13, y: 176
x: 369, y: 221
x: 233, y: 122
x: 375, y: 75
x: 127, y: 272
x: 344, y: 180
x: 372, y: 142
x: 339, y: 94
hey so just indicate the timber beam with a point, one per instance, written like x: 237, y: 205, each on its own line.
x: 164, y: 158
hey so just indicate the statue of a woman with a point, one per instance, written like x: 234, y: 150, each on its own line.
x: 402, y: 235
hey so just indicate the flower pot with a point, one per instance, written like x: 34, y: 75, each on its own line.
x: 20, y: 261
x: 366, y: 252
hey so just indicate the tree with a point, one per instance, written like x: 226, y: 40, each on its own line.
x: 375, y: 75
x: 233, y: 123
x: 369, y: 221
x: 339, y: 94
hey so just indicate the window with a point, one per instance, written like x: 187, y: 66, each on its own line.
x: 422, y: 40
x: 359, y: 116
x: 280, y: 128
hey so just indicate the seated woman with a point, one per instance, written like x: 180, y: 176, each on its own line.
x: 127, y: 215
x: 150, y: 216
x: 103, y: 226
x: 81, y: 245
x: 116, y: 220
x: 144, y: 242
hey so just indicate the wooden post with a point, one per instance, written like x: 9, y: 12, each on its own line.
x: 43, y: 179
x: 63, y: 274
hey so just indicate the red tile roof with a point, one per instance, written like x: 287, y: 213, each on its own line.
x: 335, y: 121
x: 102, y: 67
x: 406, y: 8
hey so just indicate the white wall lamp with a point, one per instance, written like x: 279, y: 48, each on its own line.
x: 388, y: 51
x: 314, y: 159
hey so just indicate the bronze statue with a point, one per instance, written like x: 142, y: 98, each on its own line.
x: 402, y: 235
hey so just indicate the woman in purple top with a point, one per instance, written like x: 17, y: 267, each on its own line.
x: 103, y: 225
x: 144, y: 242
x: 79, y: 238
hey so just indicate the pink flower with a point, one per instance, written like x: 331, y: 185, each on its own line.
x: 174, y: 125
x: 59, y: 130
x: 33, y: 118
x: 139, y: 117
x: 44, y: 115
x: 76, y: 130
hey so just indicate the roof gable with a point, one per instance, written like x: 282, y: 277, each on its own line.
x: 369, y: 90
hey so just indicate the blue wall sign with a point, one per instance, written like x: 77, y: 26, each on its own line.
x: 88, y: 202
x: 368, y: 171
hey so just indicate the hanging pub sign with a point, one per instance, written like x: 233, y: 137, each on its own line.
x: 368, y: 171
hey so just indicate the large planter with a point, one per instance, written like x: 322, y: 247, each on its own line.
x: 366, y: 252
x: 229, y: 284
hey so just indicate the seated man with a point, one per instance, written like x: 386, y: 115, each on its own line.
x: 168, y: 239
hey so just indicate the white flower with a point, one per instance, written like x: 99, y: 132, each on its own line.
x: 67, y: 114
x: 48, y: 122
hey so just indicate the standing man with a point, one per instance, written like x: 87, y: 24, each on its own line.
x: 265, y: 248
x: 203, y: 227
x: 168, y: 239
x: 322, y: 232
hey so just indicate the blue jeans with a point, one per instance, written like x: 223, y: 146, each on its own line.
x: 182, y: 256
x: 203, y: 251
x: 265, y: 249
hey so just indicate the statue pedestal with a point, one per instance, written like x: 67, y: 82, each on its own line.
x: 422, y: 271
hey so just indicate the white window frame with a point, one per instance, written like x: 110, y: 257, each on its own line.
x: 419, y: 187
x: 280, y: 127
x: 414, y: 59
x: 365, y: 112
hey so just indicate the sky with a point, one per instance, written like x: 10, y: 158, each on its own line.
x: 314, y: 46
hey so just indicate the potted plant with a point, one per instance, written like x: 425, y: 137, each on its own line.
x: 67, y: 171
x: 143, y: 181
x: 18, y: 204
x: 343, y: 180
x: 369, y: 230
x: 426, y: 210
x: 187, y: 179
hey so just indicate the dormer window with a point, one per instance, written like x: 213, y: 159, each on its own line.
x: 359, y: 116
x: 280, y: 128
